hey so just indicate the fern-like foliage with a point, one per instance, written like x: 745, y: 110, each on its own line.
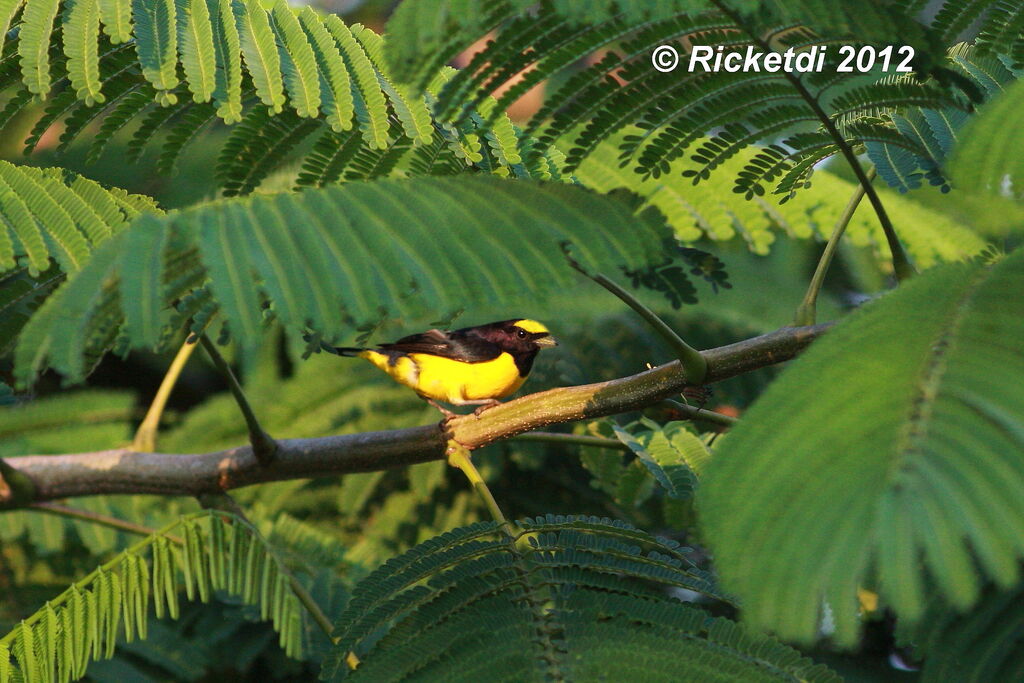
x: 50, y: 213
x: 989, y: 160
x: 214, y: 552
x: 21, y: 295
x: 90, y: 419
x: 577, y: 598
x: 440, y: 28
x: 811, y: 116
x: 713, y: 211
x: 998, y: 24
x: 853, y: 488
x: 172, y: 68
x: 983, y: 645
x: 333, y: 260
x: 672, y: 454
x: 50, y: 222
x: 936, y: 131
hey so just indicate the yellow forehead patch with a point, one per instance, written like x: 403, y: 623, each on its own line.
x: 532, y: 326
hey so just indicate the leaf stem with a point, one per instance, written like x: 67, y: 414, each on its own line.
x: 100, y: 519
x: 145, y: 435
x: 572, y: 440
x: 263, y: 446
x: 806, y: 314
x: 694, y: 364
x: 458, y: 456
x: 695, y: 413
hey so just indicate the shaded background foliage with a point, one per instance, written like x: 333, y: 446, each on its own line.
x: 376, y: 516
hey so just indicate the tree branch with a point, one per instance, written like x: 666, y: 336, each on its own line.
x: 126, y: 471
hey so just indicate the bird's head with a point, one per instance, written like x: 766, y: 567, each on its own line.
x: 521, y: 335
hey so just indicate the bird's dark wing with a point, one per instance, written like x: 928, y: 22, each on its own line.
x: 455, y: 345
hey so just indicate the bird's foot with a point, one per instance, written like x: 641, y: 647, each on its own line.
x: 448, y: 415
x: 486, y: 406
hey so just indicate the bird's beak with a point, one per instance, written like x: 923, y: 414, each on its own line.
x: 546, y: 341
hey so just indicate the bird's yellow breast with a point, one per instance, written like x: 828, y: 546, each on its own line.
x: 452, y: 381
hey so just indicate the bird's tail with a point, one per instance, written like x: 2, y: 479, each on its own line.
x: 336, y: 350
x: 342, y: 350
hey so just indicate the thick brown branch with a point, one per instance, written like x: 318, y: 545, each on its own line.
x: 126, y: 471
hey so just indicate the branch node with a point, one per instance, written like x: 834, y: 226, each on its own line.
x: 16, y: 488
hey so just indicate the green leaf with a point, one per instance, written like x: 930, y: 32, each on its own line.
x: 373, y: 122
x: 634, y: 485
x: 34, y: 44
x: 890, y: 451
x: 300, y: 66
x: 8, y: 8
x: 196, y: 48
x: 142, y: 280
x: 982, y: 645
x: 156, y: 40
x: 51, y: 214
x: 259, y: 47
x: 712, y: 210
x: 227, y: 46
x: 990, y: 157
x: 336, y: 258
x: 117, y: 19
x: 338, y: 105
x: 575, y: 598
x: 81, y: 46
x: 672, y: 454
x: 408, y: 105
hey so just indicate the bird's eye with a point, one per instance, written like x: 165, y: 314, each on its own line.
x: 521, y: 334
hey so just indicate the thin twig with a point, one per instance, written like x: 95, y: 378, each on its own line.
x: 690, y: 358
x: 695, y: 413
x: 573, y: 440
x: 263, y: 446
x: 100, y: 519
x: 145, y: 435
x: 806, y: 314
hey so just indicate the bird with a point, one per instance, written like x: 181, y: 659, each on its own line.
x: 470, y: 366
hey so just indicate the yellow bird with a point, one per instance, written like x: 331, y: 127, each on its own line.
x: 472, y: 366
